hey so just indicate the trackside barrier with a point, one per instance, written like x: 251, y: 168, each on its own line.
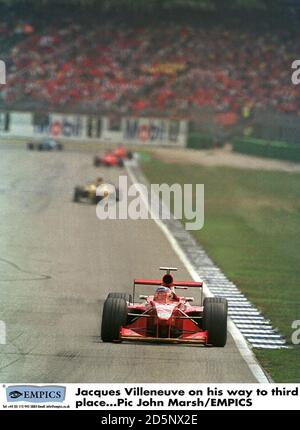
x: 141, y: 131
x: 268, y: 149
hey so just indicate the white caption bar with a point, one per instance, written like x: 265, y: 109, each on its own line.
x: 111, y: 397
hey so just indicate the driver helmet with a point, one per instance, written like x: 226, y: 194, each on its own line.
x: 99, y: 180
x: 162, y: 295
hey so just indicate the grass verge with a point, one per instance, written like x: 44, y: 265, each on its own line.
x: 252, y: 232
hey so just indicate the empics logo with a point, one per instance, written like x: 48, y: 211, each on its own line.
x: 35, y: 394
x: 15, y: 394
x: 2, y: 73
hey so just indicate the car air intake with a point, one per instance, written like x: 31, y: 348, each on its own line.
x: 167, y: 279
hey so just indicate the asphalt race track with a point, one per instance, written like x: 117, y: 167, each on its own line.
x: 58, y: 262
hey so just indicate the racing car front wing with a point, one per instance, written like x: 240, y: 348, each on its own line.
x: 198, y: 337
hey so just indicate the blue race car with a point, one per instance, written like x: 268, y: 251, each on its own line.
x: 45, y: 145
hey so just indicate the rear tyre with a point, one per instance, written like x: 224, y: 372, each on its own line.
x: 117, y: 195
x: 30, y: 146
x: 97, y: 199
x: 121, y: 162
x: 97, y: 162
x: 215, y: 320
x: 60, y: 147
x: 127, y: 297
x: 76, y: 196
x: 129, y: 155
x: 114, y: 316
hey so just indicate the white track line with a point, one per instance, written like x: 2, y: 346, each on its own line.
x: 237, y: 336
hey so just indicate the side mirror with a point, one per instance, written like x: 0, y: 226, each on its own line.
x: 143, y: 297
x: 189, y: 299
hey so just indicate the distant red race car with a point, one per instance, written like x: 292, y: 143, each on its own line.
x: 114, y: 157
x: 109, y: 159
x: 165, y: 316
x: 121, y: 152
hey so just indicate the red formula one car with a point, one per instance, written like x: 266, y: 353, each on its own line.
x: 165, y: 316
x: 109, y: 159
x: 113, y: 158
x: 121, y: 152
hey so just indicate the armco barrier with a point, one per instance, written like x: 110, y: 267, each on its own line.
x: 266, y: 148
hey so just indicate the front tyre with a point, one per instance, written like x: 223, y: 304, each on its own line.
x: 215, y: 320
x: 114, y: 316
x: 127, y: 297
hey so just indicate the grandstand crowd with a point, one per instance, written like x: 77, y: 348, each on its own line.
x: 167, y: 69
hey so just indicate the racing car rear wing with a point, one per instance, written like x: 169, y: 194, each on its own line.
x: 174, y: 283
